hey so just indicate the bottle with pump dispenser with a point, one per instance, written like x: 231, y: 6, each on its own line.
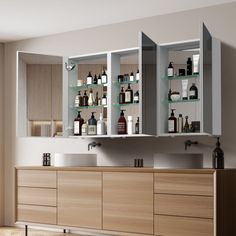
x: 172, y: 122
x: 78, y: 122
x: 84, y: 129
x: 122, y: 125
x: 92, y: 125
x: 100, y: 125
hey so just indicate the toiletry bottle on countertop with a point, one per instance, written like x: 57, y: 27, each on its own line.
x: 218, y: 156
x: 122, y: 125
x: 189, y: 66
x: 100, y: 125
x: 170, y: 70
x: 92, y: 125
x: 193, y: 92
x: 78, y: 122
x: 172, y: 122
x: 130, y: 125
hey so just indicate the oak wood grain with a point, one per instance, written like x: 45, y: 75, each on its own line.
x: 36, y: 178
x: 80, y: 199
x: 37, y: 196
x: 37, y: 214
x: 128, y: 202
x: 180, y: 205
x: 183, y: 226
x: 189, y: 184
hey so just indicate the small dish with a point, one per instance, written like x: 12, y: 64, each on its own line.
x: 175, y: 96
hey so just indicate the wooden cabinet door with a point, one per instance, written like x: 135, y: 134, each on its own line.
x: 80, y: 199
x: 39, y: 102
x: 57, y: 92
x: 128, y: 202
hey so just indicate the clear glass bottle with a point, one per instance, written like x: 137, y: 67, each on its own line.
x: 90, y: 99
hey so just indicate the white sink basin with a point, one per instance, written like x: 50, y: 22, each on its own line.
x: 178, y: 160
x: 74, y: 159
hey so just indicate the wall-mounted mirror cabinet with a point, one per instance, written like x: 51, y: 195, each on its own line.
x: 39, y: 98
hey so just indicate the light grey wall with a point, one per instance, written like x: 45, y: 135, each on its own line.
x: 162, y: 29
x: 1, y: 132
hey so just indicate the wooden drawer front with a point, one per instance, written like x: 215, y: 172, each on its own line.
x: 128, y: 202
x: 182, y: 226
x: 180, y: 205
x: 188, y: 184
x: 80, y: 199
x: 36, y: 178
x: 37, y: 196
x: 36, y: 214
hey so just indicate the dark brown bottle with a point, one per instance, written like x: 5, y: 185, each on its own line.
x: 218, y: 156
x: 78, y: 122
x: 95, y: 79
x: 122, y: 125
x: 122, y: 96
x: 193, y: 92
x: 172, y: 122
x: 85, y: 99
x: 128, y: 95
x: 80, y: 99
x: 189, y: 66
x: 137, y: 126
x: 96, y: 100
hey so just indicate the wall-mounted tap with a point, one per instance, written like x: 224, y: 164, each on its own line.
x: 93, y: 144
x: 188, y: 143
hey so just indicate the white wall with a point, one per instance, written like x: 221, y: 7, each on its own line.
x: 174, y: 27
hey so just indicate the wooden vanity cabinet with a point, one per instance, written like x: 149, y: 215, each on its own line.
x: 80, y: 199
x: 36, y: 196
x: 128, y: 202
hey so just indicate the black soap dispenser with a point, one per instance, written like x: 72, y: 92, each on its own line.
x: 92, y: 125
x: 218, y: 156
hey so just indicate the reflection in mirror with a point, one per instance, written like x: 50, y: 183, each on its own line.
x: 39, y: 99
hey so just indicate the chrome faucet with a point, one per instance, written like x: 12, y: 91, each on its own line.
x: 188, y: 143
x: 93, y: 144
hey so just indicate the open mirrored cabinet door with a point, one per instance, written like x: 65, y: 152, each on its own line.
x: 39, y: 95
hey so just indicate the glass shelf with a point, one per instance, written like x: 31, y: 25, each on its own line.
x: 126, y: 82
x: 128, y: 104
x: 87, y: 86
x: 89, y: 107
x: 182, y: 101
x: 181, y: 77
